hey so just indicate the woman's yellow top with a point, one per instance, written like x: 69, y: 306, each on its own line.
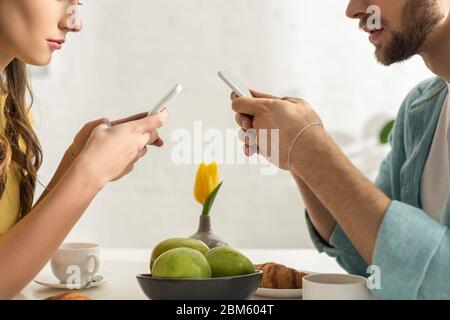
x: 10, y: 201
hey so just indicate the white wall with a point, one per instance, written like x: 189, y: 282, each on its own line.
x: 130, y: 52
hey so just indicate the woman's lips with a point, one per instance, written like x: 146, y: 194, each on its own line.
x: 55, y: 44
x: 374, y: 35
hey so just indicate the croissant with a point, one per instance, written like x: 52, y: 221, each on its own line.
x: 69, y: 296
x: 277, y: 276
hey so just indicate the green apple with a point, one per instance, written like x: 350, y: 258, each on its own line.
x: 181, y: 263
x: 228, y: 262
x: 174, y: 243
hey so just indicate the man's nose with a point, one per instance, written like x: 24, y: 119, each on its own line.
x: 356, y: 9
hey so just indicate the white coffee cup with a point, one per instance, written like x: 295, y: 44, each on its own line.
x: 335, y: 287
x: 76, y: 263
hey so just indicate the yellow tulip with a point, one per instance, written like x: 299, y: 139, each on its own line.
x: 206, y: 181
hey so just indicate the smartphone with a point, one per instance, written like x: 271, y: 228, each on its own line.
x: 231, y: 81
x: 172, y: 94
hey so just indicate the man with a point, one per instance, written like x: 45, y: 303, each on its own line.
x: 401, y: 223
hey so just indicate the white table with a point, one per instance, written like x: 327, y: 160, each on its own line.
x: 123, y: 266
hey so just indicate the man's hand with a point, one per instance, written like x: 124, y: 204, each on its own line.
x: 288, y: 115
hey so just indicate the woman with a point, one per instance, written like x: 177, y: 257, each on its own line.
x: 30, y: 31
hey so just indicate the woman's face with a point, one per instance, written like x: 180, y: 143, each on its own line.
x: 31, y: 30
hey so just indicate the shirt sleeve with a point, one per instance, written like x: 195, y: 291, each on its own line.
x: 340, y: 248
x: 413, y: 254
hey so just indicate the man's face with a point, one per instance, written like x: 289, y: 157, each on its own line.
x: 399, y: 29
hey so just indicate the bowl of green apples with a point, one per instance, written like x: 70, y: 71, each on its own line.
x: 186, y: 269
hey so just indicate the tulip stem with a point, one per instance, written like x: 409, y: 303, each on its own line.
x: 209, y: 202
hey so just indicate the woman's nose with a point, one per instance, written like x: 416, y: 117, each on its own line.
x: 78, y: 26
x: 72, y: 21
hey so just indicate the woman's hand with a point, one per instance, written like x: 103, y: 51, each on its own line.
x: 287, y: 115
x: 83, y: 135
x: 112, y: 149
x: 79, y: 143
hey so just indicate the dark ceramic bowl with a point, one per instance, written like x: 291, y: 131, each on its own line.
x: 232, y: 288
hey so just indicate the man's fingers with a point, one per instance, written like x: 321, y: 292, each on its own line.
x: 292, y: 100
x: 246, y: 106
x: 233, y: 96
x: 247, y: 123
x: 129, y: 119
x: 244, y: 121
x: 257, y: 94
x: 250, y: 150
x: 248, y: 137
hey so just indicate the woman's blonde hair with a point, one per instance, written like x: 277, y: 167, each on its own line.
x: 18, y: 141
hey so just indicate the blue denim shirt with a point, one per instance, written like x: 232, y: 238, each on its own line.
x: 412, y: 250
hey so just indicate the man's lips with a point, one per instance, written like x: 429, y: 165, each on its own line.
x: 374, y: 34
x: 56, y: 44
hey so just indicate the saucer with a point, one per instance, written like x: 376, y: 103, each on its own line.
x: 282, y: 293
x: 279, y: 293
x: 52, y: 282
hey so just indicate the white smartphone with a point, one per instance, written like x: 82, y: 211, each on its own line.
x: 172, y: 94
x: 231, y: 81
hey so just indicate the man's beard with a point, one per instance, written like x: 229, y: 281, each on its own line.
x: 419, y: 18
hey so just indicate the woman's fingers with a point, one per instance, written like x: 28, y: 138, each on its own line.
x: 152, y: 138
x: 151, y: 123
x: 144, y: 123
x: 129, y: 119
x: 142, y: 153
x: 88, y: 127
x: 158, y: 143
x: 102, y: 126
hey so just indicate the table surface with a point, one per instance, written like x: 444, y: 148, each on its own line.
x: 122, y: 266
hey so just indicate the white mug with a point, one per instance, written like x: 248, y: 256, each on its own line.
x: 76, y: 263
x: 335, y: 287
